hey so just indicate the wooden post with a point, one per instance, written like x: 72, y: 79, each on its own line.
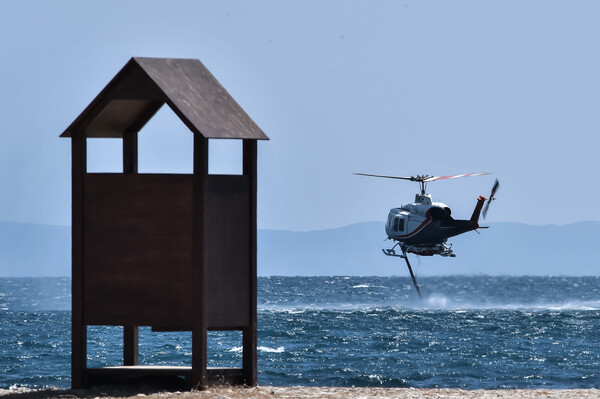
x: 130, y: 346
x: 199, y: 264
x: 249, y: 333
x: 130, y: 152
x: 130, y: 333
x: 78, y: 329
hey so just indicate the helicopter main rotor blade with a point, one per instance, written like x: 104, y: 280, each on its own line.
x: 423, y: 178
x: 492, y: 197
x: 386, y: 177
x: 434, y: 178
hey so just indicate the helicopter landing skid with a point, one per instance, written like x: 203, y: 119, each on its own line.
x: 392, y: 252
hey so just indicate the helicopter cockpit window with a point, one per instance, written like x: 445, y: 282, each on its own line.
x: 398, y: 224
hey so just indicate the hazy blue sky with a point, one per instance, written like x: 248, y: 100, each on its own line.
x: 387, y: 87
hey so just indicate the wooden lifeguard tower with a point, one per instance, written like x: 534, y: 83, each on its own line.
x: 173, y: 251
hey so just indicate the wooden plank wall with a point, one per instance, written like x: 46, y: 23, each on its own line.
x: 138, y: 249
x: 228, y: 252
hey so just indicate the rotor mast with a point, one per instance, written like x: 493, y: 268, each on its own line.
x: 422, y: 180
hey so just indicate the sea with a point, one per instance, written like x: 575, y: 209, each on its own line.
x: 470, y: 332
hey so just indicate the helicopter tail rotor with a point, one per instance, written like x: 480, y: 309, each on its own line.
x: 492, y: 197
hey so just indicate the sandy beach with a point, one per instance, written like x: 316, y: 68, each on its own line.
x: 264, y: 392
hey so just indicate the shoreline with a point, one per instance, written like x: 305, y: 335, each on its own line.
x: 263, y: 392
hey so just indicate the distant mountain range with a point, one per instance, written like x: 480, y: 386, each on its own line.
x: 503, y: 249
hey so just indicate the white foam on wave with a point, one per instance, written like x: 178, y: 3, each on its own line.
x: 266, y: 349
x: 279, y: 349
x: 337, y: 307
x: 367, y: 285
x: 285, y: 309
x: 439, y: 302
x: 442, y: 302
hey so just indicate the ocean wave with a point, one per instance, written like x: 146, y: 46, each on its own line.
x: 266, y: 349
x: 446, y: 303
x: 437, y: 302
x: 279, y: 349
x: 469, y: 332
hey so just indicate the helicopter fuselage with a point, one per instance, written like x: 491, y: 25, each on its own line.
x: 424, y: 226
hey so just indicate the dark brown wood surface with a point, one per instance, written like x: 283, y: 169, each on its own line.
x: 138, y: 248
x: 175, y: 252
x: 78, y: 329
x: 228, y: 251
x: 130, y: 152
x: 199, y: 273
x: 131, y: 345
x: 250, y: 331
x: 198, y: 98
x: 143, y: 85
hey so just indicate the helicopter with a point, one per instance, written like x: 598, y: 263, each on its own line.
x: 423, y: 227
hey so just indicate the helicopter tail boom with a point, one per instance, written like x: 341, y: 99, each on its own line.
x: 477, y: 211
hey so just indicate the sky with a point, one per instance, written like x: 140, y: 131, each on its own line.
x: 384, y: 87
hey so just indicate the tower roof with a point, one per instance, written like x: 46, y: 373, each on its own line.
x: 144, y: 85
